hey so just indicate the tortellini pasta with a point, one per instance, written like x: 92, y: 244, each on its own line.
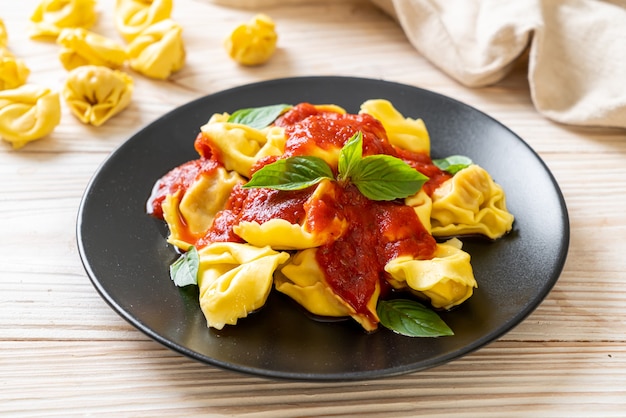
x: 447, y: 279
x: 28, y: 113
x: 326, y: 246
x: 234, y: 280
x: 192, y: 215
x: 51, y: 16
x: 242, y: 146
x: 13, y: 71
x: 4, y: 36
x: 94, y: 94
x: 254, y: 42
x: 470, y: 203
x: 81, y: 47
x: 405, y: 133
x: 158, y: 50
x: 133, y: 16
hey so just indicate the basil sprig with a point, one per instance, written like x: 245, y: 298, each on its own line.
x: 184, y: 271
x: 378, y: 177
x: 258, y: 117
x: 293, y: 173
x: 411, y: 318
x: 453, y: 164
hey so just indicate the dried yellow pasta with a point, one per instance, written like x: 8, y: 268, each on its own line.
x: 28, y: 113
x: 158, y: 51
x: 94, y: 94
x: 254, y: 42
x: 82, y: 47
x: 133, y: 16
x: 51, y: 16
x: 13, y: 71
x: 4, y: 36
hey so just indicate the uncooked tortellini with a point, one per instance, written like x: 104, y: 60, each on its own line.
x: 13, y: 71
x: 158, y: 51
x: 51, y: 16
x: 27, y: 113
x: 95, y: 93
x: 253, y: 43
x: 4, y: 37
x: 82, y: 47
x: 133, y: 16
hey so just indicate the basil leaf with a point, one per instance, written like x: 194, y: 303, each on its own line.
x: 411, y: 318
x: 350, y: 155
x: 383, y: 177
x: 453, y: 164
x: 184, y: 271
x: 258, y: 117
x: 293, y: 173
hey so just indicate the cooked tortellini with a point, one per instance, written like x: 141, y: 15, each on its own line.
x: 193, y: 214
x: 13, y: 71
x: 325, y: 245
x: 81, y: 47
x: 234, y: 280
x: 27, y: 113
x: 447, y: 279
x: 241, y: 146
x: 94, y: 94
x: 51, y: 16
x: 470, y: 203
x: 405, y: 133
x: 133, y: 16
x: 158, y: 50
x: 254, y: 42
x: 303, y: 281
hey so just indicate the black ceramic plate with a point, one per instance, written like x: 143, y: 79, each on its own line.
x: 126, y: 257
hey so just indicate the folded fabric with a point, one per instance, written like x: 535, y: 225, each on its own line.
x: 576, y: 48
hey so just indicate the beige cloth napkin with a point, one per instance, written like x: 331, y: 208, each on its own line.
x: 576, y: 48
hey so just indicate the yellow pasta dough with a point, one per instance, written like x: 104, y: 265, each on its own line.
x: 81, y: 47
x: 4, y: 35
x: 405, y: 133
x: 133, y: 16
x: 159, y: 50
x: 254, y: 42
x: 27, y: 113
x: 13, y: 71
x: 470, y: 203
x: 51, y: 16
x: 447, y: 279
x: 94, y: 94
x: 234, y: 280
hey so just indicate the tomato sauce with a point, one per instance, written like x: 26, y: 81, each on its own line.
x: 379, y: 231
x: 179, y: 178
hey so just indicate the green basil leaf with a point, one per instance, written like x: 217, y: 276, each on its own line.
x: 258, y: 117
x: 453, y: 164
x: 411, y: 318
x: 293, y: 173
x: 383, y: 177
x: 184, y: 271
x: 350, y: 155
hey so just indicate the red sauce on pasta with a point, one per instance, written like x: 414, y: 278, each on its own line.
x: 353, y: 264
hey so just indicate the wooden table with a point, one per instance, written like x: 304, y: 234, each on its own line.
x: 64, y: 351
